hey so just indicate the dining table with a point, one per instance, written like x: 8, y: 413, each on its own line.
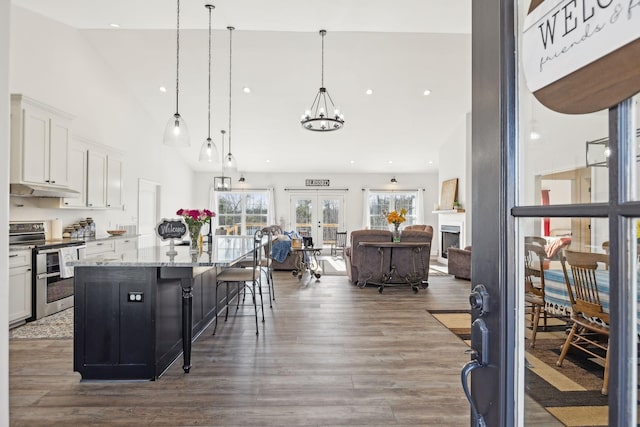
x: 557, y: 297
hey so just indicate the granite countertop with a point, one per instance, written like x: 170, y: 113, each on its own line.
x: 225, y: 251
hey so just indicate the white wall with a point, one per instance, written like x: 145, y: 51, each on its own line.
x: 455, y: 162
x: 353, y: 197
x: 4, y: 211
x: 54, y: 64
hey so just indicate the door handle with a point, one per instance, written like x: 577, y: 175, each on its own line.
x: 479, y: 300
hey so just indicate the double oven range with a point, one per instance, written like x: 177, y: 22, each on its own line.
x: 52, y: 283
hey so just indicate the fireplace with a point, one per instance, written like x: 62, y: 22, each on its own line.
x: 449, y: 238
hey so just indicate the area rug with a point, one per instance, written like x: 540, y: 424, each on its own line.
x: 333, y: 266
x: 56, y: 326
x: 571, y: 393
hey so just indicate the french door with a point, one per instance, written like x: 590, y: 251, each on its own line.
x: 319, y: 216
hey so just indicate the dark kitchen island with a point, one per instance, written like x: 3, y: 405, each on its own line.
x: 135, y: 315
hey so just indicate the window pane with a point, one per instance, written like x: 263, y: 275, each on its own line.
x: 554, y: 148
x: 242, y: 212
x: 555, y: 394
x: 635, y: 194
x: 380, y: 204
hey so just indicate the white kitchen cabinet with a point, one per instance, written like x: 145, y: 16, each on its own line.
x: 97, y: 179
x: 101, y: 249
x: 124, y: 245
x: 114, y: 181
x: 40, y: 140
x: 77, y: 174
x: 19, y: 286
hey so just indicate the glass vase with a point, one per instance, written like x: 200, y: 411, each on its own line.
x: 396, y: 233
x: 194, y: 232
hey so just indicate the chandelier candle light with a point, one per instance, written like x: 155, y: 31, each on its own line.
x: 396, y: 219
x: 176, y: 133
x: 317, y: 118
x: 208, y: 150
x: 195, y: 219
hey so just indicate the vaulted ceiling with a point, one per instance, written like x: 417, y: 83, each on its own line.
x: 398, y: 50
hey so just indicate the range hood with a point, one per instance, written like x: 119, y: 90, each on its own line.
x: 35, y: 190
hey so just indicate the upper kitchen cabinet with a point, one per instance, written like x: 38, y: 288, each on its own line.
x: 114, y: 181
x: 40, y: 142
x: 77, y: 173
x: 104, y: 178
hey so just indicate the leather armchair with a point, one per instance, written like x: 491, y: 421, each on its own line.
x: 365, y: 263
x: 459, y: 261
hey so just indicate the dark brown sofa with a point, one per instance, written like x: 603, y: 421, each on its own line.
x: 366, y: 263
x: 459, y: 261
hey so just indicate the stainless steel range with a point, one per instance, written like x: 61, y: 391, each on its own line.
x: 52, y: 282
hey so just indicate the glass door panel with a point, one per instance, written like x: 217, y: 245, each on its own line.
x: 570, y: 394
x: 318, y: 216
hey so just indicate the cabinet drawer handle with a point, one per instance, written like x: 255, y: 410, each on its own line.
x: 99, y: 244
x: 66, y: 203
x: 28, y: 269
x: 108, y: 206
x: 13, y: 256
x: 53, y: 182
x: 46, y: 180
x: 90, y: 204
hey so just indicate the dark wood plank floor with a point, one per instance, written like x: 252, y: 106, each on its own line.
x: 329, y: 354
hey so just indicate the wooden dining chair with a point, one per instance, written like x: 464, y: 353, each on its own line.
x: 590, y: 323
x: 534, y: 287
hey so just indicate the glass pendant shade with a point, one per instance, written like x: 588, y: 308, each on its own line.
x: 208, y: 151
x: 230, y: 163
x: 176, y: 133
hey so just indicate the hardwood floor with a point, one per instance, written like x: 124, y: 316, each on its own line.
x: 328, y: 354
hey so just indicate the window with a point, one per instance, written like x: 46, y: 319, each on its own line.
x: 241, y: 212
x: 381, y: 203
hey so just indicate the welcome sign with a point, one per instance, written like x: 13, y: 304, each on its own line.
x: 171, y: 229
x: 582, y: 55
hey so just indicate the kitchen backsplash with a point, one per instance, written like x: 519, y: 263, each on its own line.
x: 43, y: 209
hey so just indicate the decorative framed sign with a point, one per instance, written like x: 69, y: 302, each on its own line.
x: 171, y: 229
x: 582, y: 56
x: 316, y: 182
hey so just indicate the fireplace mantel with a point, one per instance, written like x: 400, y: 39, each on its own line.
x: 448, y: 211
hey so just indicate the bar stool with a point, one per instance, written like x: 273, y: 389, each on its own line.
x: 265, y: 264
x: 246, y: 278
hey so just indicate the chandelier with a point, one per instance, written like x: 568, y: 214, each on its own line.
x: 317, y: 118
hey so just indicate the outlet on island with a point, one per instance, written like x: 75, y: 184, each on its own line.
x: 135, y: 296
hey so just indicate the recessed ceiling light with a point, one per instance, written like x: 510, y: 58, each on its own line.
x: 268, y: 161
x: 390, y: 162
x: 430, y: 162
x: 369, y: 91
x: 246, y: 89
x: 163, y: 89
x: 352, y: 161
x: 426, y: 92
x: 114, y: 25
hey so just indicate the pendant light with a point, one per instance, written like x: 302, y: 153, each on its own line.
x: 229, y: 160
x: 208, y: 150
x: 317, y: 118
x: 176, y: 133
x: 222, y: 183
